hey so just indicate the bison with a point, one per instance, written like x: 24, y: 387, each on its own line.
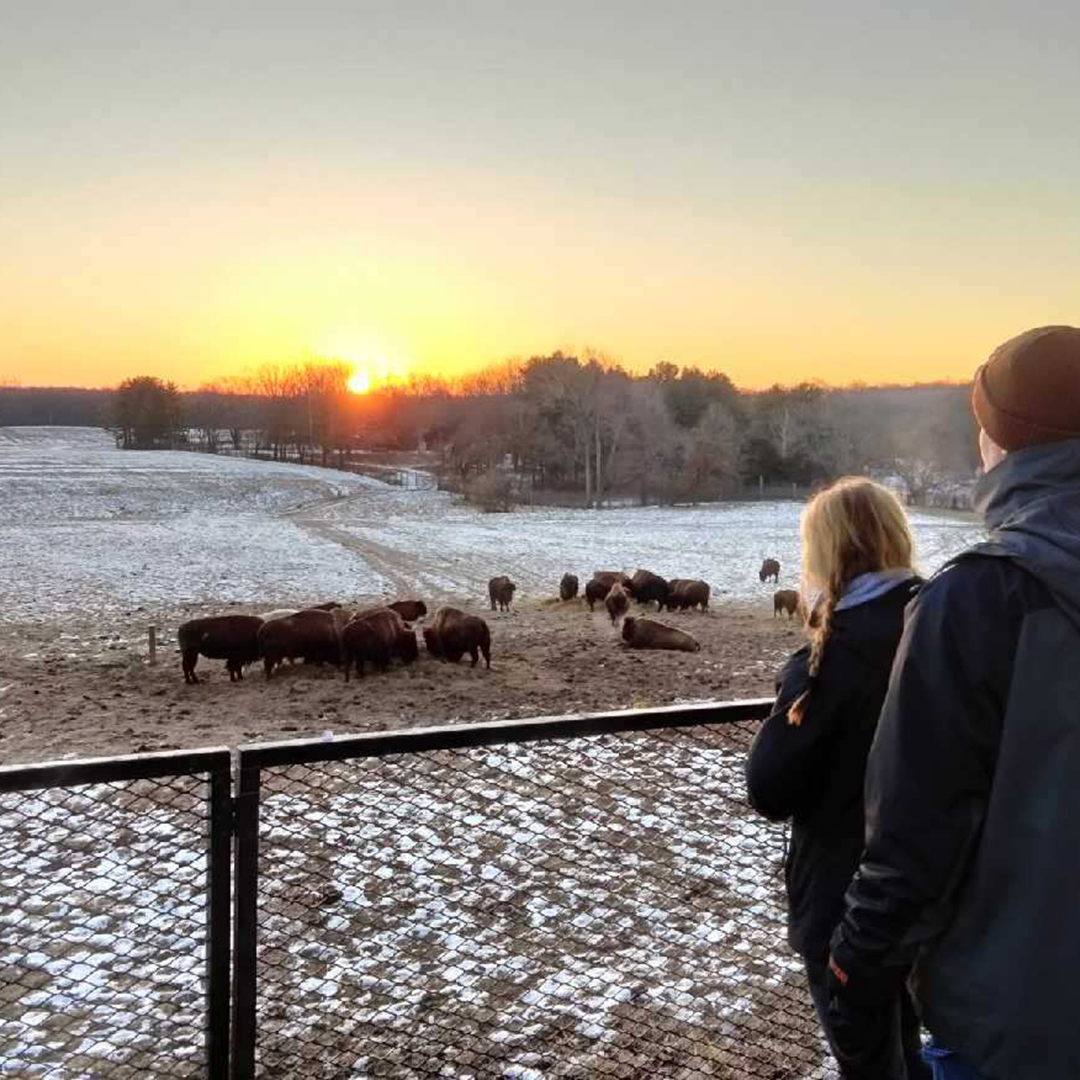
x: 312, y: 635
x: 610, y: 577
x: 568, y: 587
x: 647, y: 587
x: 600, y: 585
x: 232, y: 638
x: 409, y: 610
x: 501, y: 592
x: 686, y: 593
x: 649, y: 634
x: 785, y: 600
x: 595, y: 591
x: 770, y: 568
x: 377, y: 636
x: 617, y: 603
x: 453, y: 633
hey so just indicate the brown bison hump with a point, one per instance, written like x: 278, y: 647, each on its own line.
x: 446, y: 617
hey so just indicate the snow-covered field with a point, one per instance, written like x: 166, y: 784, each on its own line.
x: 88, y: 529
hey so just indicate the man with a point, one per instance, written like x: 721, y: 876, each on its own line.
x: 971, y: 871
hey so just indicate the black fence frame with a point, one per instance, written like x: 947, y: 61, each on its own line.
x: 232, y: 866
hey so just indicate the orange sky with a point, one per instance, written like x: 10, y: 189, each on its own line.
x: 869, y: 205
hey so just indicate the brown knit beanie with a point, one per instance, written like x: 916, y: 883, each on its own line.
x: 1028, y: 392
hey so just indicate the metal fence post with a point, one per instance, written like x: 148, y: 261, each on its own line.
x: 245, y: 943
x: 218, y: 923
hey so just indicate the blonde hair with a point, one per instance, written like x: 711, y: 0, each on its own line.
x: 853, y: 527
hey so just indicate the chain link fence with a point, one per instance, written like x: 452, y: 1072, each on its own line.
x: 107, y: 903
x: 598, y: 904
x: 585, y: 897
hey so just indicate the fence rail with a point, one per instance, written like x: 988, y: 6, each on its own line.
x: 566, y: 897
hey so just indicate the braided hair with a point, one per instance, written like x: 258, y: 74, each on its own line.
x: 852, y: 527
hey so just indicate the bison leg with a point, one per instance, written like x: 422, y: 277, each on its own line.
x: 188, y: 661
x: 474, y: 652
x: 268, y: 667
x: 486, y: 650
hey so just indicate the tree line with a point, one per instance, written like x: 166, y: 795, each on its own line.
x: 559, y: 427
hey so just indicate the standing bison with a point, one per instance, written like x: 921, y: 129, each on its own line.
x: 568, y: 587
x: 611, y: 577
x: 600, y: 585
x: 770, y: 568
x: 452, y: 633
x: 595, y: 591
x: 409, y: 610
x: 311, y: 635
x: 686, y: 593
x: 646, y: 587
x: 649, y: 634
x: 377, y: 637
x: 232, y: 638
x: 617, y: 603
x: 501, y: 593
x: 785, y: 600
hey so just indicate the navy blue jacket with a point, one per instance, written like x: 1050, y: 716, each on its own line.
x: 813, y: 773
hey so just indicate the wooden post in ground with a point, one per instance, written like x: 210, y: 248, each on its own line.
x: 152, y: 633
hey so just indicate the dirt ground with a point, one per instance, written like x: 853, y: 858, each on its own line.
x: 75, y: 690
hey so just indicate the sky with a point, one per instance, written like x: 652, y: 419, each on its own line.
x: 842, y: 191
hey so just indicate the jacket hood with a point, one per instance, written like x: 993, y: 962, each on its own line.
x: 1031, y: 505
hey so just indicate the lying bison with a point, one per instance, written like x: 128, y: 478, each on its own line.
x: 648, y: 634
x: 770, y: 568
x: 785, y: 600
x: 501, y: 592
x: 686, y: 593
x: 568, y: 587
x: 311, y: 635
x: 409, y: 610
x: 617, y: 603
x: 452, y: 633
x: 377, y: 637
x: 647, y: 587
x: 232, y: 638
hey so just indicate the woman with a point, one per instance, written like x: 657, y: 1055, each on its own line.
x: 809, y: 758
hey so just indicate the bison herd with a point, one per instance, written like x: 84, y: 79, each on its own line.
x: 329, y: 634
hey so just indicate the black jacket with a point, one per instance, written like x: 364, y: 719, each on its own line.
x: 972, y: 867
x: 813, y: 772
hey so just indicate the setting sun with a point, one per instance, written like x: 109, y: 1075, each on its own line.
x: 360, y: 383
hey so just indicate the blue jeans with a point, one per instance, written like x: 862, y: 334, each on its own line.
x: 949, y: 1065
